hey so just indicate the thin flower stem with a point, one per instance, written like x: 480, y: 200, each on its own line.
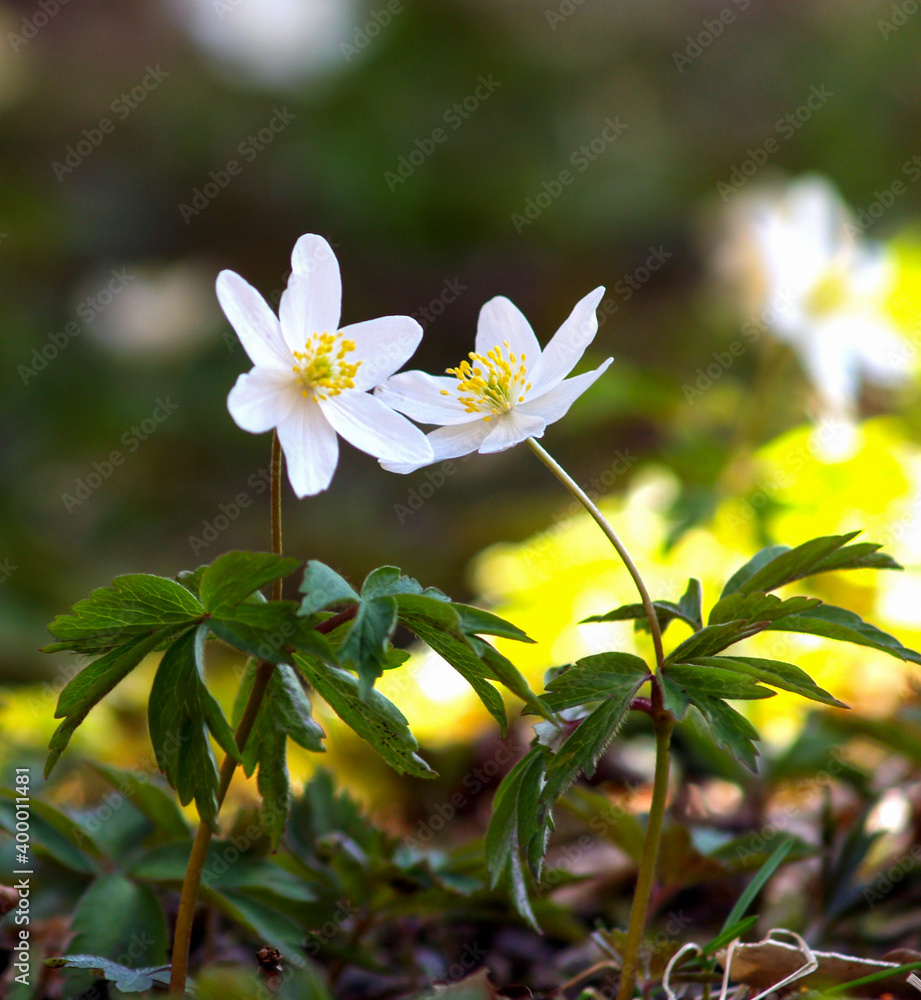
x: 663, y: 723
x: 182, y: 937
x: 583, y: 499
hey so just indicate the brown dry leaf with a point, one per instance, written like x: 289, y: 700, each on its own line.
x: 476, y: 986
x: 764, y: 963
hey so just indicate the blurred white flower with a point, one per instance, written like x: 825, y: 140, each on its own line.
x: 278, y: 42
x: 821, y: 288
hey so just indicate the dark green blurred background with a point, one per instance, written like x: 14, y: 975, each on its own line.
x: 184, y: 88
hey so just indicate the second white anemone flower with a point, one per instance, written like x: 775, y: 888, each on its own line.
x: 509, y: 390
x: 311, y: 379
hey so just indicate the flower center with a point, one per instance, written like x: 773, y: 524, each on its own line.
x: 322, y: 368
x: 489, y: 383
x: 829, y: 293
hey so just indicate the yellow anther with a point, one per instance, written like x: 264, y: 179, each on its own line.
x: 491, y: 384
x: 322, y: 366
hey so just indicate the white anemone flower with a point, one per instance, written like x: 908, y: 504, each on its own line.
x: 506, y: 392
x: 311, y: 379
x: 825, y: 288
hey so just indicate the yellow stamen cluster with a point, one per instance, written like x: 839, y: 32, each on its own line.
x: 489, y: 382
x: 321, y: 367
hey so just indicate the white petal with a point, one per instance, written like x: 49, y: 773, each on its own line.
x: 421, y: 397
x: 376, y: 429
x: 311, y: 448
x: 262, y: 398
x: 313, y: 258
x: 552, y: 405
x: 447, y: 442
x: 831, y: 365
x: 510, y: 429
x: 296, y: 313
x: 256, y: 325
x: 567, y: 345
x: 500, y: 321
x: 383, y: 345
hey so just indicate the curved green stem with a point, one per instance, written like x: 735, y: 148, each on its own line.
x: 182, y: 936
x: 663, y: 722
x: 583, y: 499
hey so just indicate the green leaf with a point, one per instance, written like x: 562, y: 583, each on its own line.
x: 284, y: 712
x: 269, y: 631
x: 267, y: 747
x: 759, y: 606
x: 456, y: 649
x: 365, y: 645
x: 777, y: 673
x: 732, y: 731
x: 53, y: 833
x: 149, y: 798
x: 688, y: 610
x: 324, y: 588
x: 265, y: 924
x: 602, y: 675
x: 235, y: 576
x: 376, y: 719
x: 134, y: 605
x: 713, y: 638
x: 863, y: 555
x: 707, y: 677
x: 476, y: 621
x: 758, y: 883
x: 587, y: 742
x: 181, y: 711
x: 121, y: 919
x: 690, y: 604
x: 772, y: 568
x: 435, y: 611
x: 94, y: 682
x: 294, y: 709
x: 124, y: 979
x: 845, y: 626
x: 387, y: 581
x: 515, y: 830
